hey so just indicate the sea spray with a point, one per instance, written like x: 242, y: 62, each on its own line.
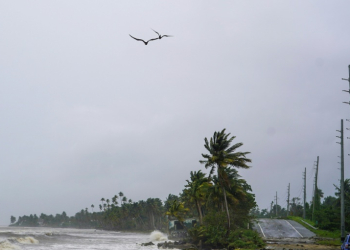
x: 158, y: 236
x: 27, y: 240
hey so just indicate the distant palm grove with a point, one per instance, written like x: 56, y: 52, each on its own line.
x: 221, y: 202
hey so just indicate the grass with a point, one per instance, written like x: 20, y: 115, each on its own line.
x: 333, y: 236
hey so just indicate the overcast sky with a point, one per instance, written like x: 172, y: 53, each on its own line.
x: 87, y: 112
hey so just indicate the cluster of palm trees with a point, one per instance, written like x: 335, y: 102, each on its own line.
x: 141, y: 215
x: 222, y: 191
x: 108, y: 205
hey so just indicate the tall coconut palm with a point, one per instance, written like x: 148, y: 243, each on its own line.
x: 102, y: 200
x: 153, y: 208
x: 124, y: 200
x: 196, y: 190
x: 221, y: 155
x: 114, y: 199
x: 121, y: 196
x: 108, y: 205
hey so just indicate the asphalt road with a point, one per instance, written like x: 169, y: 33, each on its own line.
x: 279, y: 228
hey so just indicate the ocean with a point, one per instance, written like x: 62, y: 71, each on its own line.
x: 40, y: 238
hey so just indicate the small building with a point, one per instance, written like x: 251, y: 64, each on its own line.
x: 178, y: 230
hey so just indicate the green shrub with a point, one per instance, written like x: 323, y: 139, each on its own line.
x: 216, y: 236
x: 245, y: 238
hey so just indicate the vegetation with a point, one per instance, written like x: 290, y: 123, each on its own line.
x: 325, y: 216
x: 221, y: 201
x: 141, y: 215
x: 319, y: 232
x: 221, y: 156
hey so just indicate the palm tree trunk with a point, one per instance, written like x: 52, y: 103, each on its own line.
x: 227, y: 212
x: 154, y: 227
x: 200, y: 213
x: 225, y: 199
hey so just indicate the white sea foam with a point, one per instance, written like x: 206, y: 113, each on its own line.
x: 27, y: 240
x: 6, y: 245
x: 158, y: 236
x: 78, y: 239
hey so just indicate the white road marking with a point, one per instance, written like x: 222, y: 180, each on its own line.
x: 261, y: 230
x: 294, y: 228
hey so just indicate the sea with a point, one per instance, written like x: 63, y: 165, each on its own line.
x: 40, y: 238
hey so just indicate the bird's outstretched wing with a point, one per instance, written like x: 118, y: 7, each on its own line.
x: 137, y: 38
x: 152, y: 39
x: 167, y: 36
x: 156, y: 32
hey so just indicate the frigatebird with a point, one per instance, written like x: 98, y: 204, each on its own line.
x: 143, y: 40
x: 159, y: 36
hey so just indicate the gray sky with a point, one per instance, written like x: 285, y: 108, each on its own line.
x: 88, y: 112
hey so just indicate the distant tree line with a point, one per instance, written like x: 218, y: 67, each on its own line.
x: 128, y: 215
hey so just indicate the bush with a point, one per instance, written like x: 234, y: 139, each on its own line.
x: 245, y: 238
x: 216, y: 236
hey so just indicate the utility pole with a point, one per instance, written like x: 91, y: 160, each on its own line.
x: 315, y: 191
x: 288, y: 199
x: 342, y: 212
x: 304, y: 212
x: 349, y: 84
x: 276, y: 205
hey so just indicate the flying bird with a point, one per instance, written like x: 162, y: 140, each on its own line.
x: 161, y: 36
x: 137, y: 39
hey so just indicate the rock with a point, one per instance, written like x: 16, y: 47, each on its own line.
x: 176, y: 245
x: 147, y: 244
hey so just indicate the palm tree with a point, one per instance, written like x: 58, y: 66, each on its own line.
x: 92, y: 207
x: 177, y: 210
x: 114, y: 199
x: 124, y: 199
x: 108, y: 206
x: 196, y: 191
x: 221, y: 155
x: 153, y: 208
x: 102, y: 200
x: 120, y: 196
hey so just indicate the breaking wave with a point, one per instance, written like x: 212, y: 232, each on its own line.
x: 27, y: 240
x: 6, y: 245
x: 12, y: 243
x: 158, y: 236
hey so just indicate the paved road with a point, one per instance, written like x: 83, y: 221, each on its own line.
x: 274, y: 228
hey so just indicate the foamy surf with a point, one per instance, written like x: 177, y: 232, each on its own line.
x: 6, y: 245
x: 158, y: 236
x: 27, y: 240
